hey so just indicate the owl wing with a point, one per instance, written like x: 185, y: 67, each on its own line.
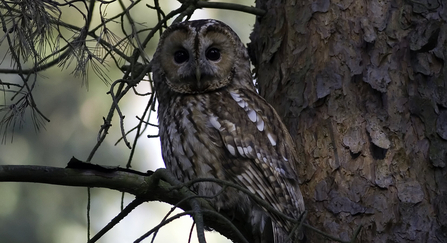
x: 261, y: 151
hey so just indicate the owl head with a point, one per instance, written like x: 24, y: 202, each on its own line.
x: 199, y: 56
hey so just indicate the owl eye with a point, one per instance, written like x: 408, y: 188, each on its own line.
x: 213, y: 54
x: 181, y: 56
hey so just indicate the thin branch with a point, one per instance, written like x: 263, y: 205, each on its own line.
x: 139, y: 128
x: 118, y: 110
x: 356, y: 233
x: 129, y: 208
x: 89, y: 206
x: 190, y: 232
x: 158, y: 186
x: 163, y: 223
x: 108, y: 120
x: 231, y: 6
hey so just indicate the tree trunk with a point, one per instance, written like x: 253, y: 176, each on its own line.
x: 362, y: 87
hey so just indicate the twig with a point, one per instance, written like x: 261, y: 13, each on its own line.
x: 356, y: 233
x: 157, y: 227
x: 115, y: 101
x: 135, y: 203
x: 231, y: 6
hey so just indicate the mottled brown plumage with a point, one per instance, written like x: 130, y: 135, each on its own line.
x: 213, y: 124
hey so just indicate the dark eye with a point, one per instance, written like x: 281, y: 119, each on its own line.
x: 213, y: 54
x: 181, y: 56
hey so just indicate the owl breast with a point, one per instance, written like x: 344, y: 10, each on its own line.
x: 192, y: 147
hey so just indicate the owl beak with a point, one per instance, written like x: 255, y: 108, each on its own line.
x: 198, y: 73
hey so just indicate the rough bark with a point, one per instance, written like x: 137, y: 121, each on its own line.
x: 362, y: 87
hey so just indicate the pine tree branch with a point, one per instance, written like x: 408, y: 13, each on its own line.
x: 231, y: 6
x: 152, y: 186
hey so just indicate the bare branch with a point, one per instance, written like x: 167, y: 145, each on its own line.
x: 160, y: 185
x: 135, y: 203
x: 147, y: 187
x: 231, y: 6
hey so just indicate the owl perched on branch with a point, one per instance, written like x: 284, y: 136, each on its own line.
x: 213, y: 124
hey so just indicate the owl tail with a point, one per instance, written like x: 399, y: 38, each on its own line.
x: 280, y: 235
x: 267, y: 230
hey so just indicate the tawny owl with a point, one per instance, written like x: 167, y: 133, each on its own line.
x: 213, y: 124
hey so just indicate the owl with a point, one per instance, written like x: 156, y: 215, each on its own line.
x: 213, y: 124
